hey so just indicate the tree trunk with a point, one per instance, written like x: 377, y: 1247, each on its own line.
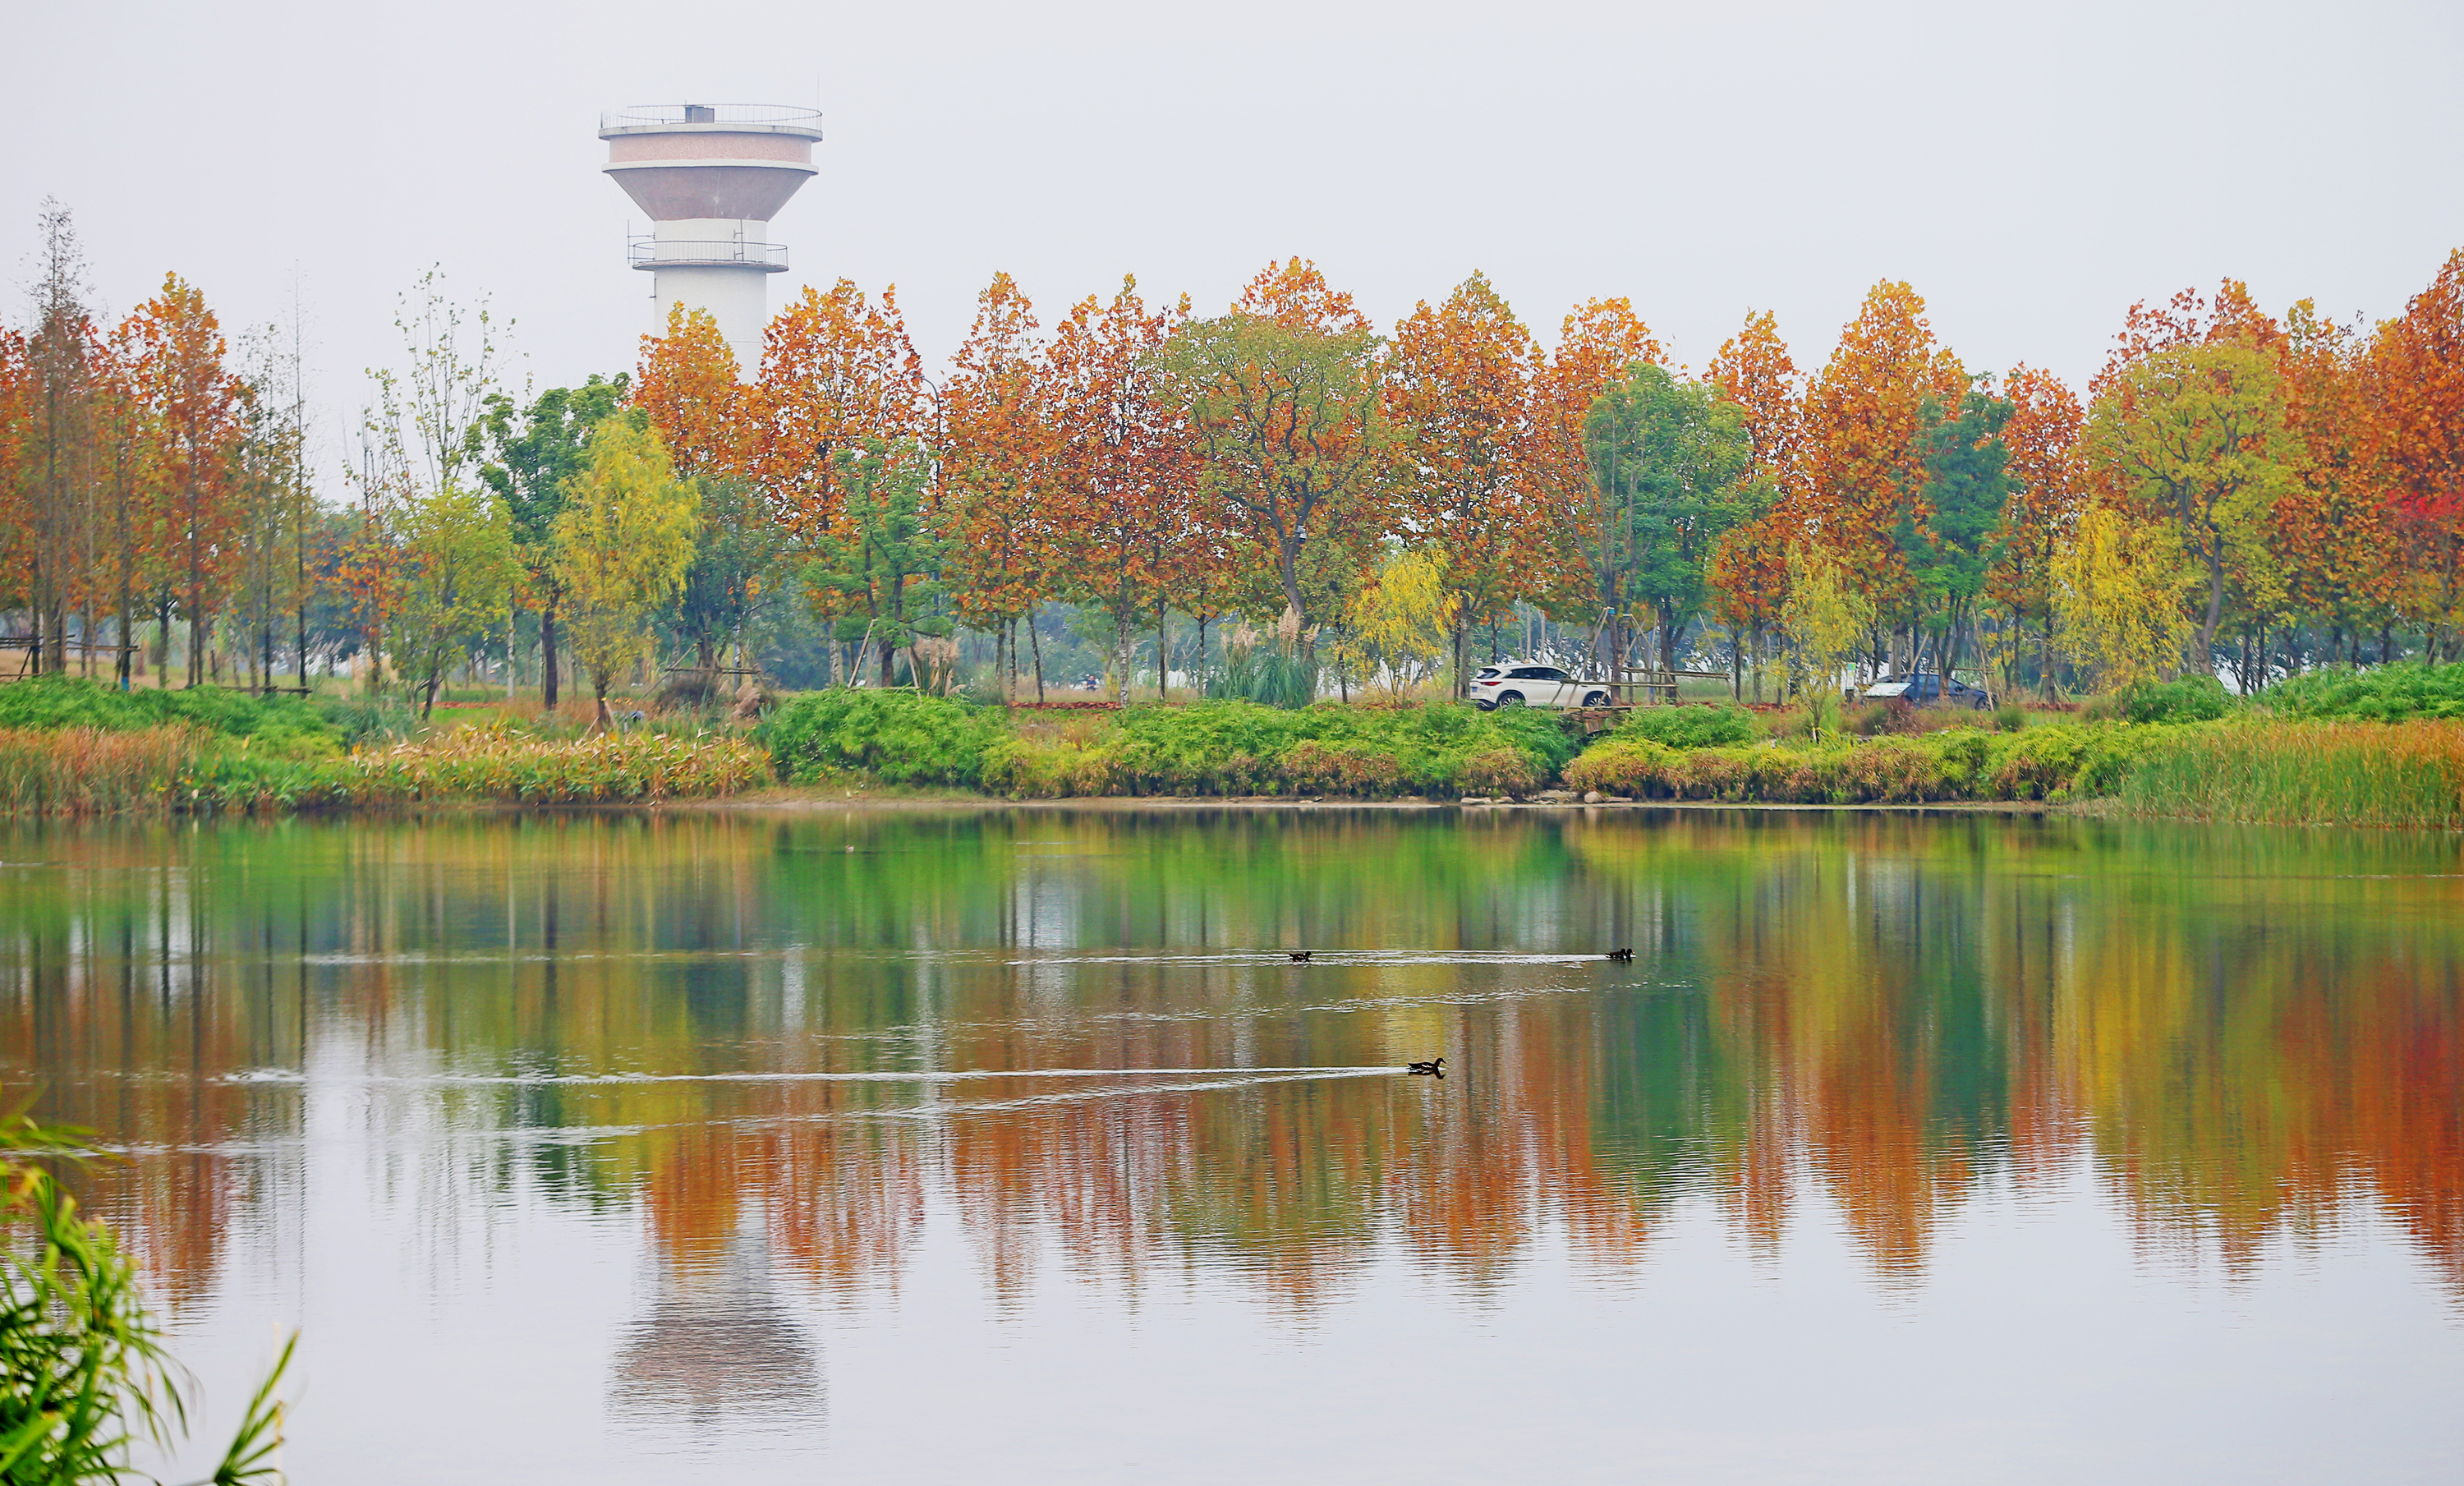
x: 547, y: 657
x: 1164, y: 653
x: 1036, y: 642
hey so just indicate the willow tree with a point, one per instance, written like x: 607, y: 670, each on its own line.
x: 623, y: 543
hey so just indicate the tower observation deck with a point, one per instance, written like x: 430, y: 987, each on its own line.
x: 710, y: 177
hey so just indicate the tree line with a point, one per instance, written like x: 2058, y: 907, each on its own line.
x: 2233, y: 490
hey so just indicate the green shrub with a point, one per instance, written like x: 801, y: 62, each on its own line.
x: 901, y: 738
x: 1691, y: 727
x: 1242, y: 748
x: 289, y: 725
x: 2009, y: 717
x: 2189, y: 698
x: 2386, y: 693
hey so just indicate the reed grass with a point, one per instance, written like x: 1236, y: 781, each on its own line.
x: 503, y: 764
x: 2403, y: 774
x: 88, y: 771
x: 95, y: 770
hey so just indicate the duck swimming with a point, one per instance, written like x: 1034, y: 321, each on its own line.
x: 1434, y: 1067
x: 1621, y: 954
x: 1299, y: 956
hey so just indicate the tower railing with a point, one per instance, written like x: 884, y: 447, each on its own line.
x: 654, y: 252
x: 652, y: 116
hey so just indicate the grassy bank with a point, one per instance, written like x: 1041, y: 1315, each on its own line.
x: 70, y: 748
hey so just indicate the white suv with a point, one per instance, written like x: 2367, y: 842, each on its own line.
x: 1527, y: 683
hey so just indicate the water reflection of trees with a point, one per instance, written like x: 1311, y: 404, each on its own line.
x: 2245, y: 1033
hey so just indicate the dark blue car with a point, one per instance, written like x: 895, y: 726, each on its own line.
x: 1924, y: 689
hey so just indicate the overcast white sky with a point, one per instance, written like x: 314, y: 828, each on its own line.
x: 2031, y: 170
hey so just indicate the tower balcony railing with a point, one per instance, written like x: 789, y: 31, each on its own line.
x: 656, y: 253
x: 658, y: 116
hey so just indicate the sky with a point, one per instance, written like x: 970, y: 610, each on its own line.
x: 2031, y: 170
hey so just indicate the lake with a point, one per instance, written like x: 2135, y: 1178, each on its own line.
x: 1010, y: 1145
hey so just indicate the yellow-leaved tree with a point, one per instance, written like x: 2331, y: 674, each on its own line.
x: 2119, y: 587
x: 1826, y: 617
x: 623, y: 543
x: 1397, y: 629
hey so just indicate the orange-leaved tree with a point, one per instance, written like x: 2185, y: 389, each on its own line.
x: 1458, y: 378
x: 2332, y: 530
x: 836, y: 371
x: 2413, y: 378
x: 198, y: 403
x: 2047, y: 488
x: 1862, y: 457
x: 688, y: 384
x: 995, y: 461
x: 1749, y: 573
x: 1124, y: 466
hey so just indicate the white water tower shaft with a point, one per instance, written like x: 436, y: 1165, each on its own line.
x: 710, y: 177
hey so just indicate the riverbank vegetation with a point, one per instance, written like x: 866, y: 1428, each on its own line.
x: 2184, y: 749
x: 1268, y: 513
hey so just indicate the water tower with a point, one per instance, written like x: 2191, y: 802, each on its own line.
x: 711, y: 176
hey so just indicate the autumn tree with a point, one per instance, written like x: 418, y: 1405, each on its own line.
x: 1861, y: 445
x: 1281, y: 395
x: 1457, y: 381
x: 456, y: 586
x: 2042, y: 437
x: 2194, y: 438
x: 533, y: 454
x: 1123, y: 468
x: 2412, y: 379
x: 1399, y: 626
x: 425, y: 435
x: 836, y: 371
x: 623, y: 542
x: 1825, y: 617
x: 997, y: 451
x: 198, y: 406
x: 2332, y: 531
x: 53, y: 509
x: 1748, y: 570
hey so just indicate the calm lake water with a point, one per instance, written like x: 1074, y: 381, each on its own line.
x: 1010, y: 1145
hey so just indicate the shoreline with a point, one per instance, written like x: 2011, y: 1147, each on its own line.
x: 785, y: 803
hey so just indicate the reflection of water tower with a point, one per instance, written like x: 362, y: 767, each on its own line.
x: 711, y: 177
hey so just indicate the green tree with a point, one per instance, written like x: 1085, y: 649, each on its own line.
x: 1669, y: 459
x: 455, y: 583
x: 532, y: 454
x: 623, y: 543
x: 738, y: 562
x: 1952, y: 534
x: 880, y: 573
